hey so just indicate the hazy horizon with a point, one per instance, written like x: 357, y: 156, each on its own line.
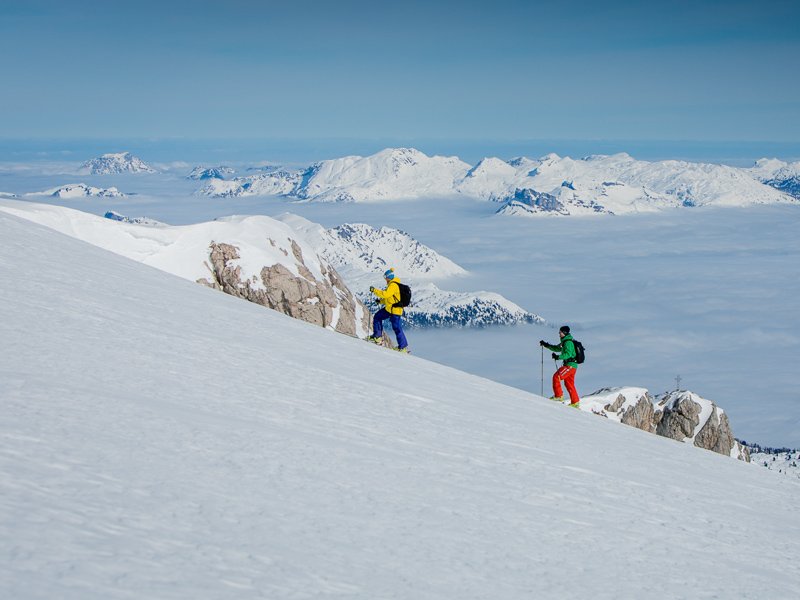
x: 307, y: 150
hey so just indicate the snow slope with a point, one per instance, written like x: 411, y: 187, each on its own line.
x: 182, y: 251
x: 784, y: 461
x: 163, y: 440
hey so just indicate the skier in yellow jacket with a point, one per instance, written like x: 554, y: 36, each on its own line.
x: 389, y: 297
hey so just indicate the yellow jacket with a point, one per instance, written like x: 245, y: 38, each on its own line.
x: 390, y: 296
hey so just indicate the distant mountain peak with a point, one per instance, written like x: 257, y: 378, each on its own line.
x: 200, y: 172
x: 116, y: 162
x: 80, y: 190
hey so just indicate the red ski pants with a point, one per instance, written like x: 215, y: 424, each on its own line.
x: 568, y: 375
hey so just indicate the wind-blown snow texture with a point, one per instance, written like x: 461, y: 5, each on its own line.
x: 164, y: 440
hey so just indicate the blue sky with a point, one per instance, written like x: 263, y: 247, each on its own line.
x: 402, y: 72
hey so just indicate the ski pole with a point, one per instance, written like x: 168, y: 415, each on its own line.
x: 542, y: 392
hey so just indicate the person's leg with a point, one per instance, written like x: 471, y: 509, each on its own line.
x: 558, y: 391
x: 397, y: 325
x: 377, y: 322
x: 569, y: 381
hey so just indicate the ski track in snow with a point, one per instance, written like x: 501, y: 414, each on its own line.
x: 164, y: 440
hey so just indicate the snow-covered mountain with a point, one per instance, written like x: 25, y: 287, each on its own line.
x: 554, y: 185
x: 362, y: 253
x: 272, y: 183
x: 79, y: 190
x: 391, y: 174
x: 256, y: 258
x: 361, y: 248
x: 114, y: 163
x: 160, y: 440
x: 781, y: 175
x: 614, y: 184
x: 200, y: 173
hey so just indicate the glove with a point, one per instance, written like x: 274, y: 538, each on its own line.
x: 542, y: 343
x: 555, y: 356
x: 371, y: 289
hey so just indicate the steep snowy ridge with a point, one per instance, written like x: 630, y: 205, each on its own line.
x: 222, y: 450
x: 114, y: 163
x: 615, y: 184
x: 256, y: 257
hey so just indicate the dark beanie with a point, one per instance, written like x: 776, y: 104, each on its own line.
x: 564, y: 328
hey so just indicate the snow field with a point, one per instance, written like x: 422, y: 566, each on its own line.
x: 165, y: 440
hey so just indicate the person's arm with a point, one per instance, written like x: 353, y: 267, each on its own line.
x: 551, y: 347
x: 389, y: 295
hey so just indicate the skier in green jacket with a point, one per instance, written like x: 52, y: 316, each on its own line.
x: 565, y: 351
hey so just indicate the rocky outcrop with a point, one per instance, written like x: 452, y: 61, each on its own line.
x: 327, y: 303
x: 684, y: 416
x: 640, y: 415
x: 679, y: 415
x: 677, y: 418
x: 631, y: 406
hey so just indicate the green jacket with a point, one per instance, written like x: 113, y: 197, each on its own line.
x: 566, y: 351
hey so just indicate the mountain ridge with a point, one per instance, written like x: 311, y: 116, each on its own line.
x: 612, y: 184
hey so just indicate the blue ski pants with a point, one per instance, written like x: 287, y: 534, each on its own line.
x: 397, y: 325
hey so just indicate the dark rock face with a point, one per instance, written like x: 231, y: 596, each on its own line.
x: 680, y: 420
x: 640, y: 415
